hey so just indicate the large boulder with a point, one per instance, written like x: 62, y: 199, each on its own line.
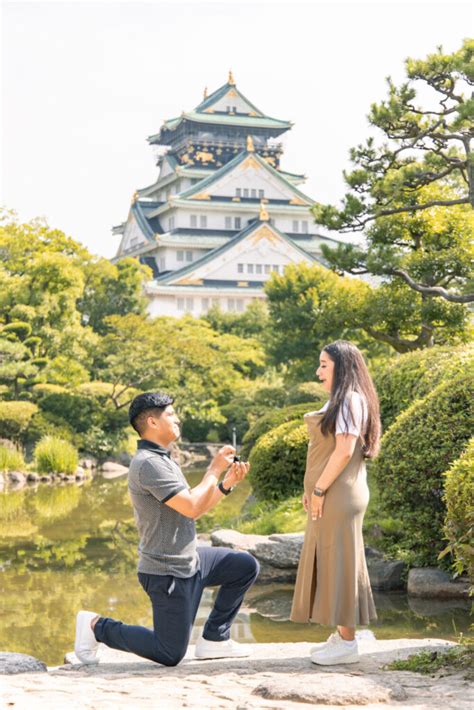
x: 11, y: 663
x: 436, y: 584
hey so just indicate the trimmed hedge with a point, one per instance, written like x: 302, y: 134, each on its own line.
x: 459, y: 499
x: 411, y: 376
x: 306, y: 392
x: 278, y: 462
x: 416, y: 451
x: 15, y: 418
x: 54, y: 455
x: 275, y: 418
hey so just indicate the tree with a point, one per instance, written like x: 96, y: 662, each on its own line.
x: 425, y: 163
x: 309, y: 307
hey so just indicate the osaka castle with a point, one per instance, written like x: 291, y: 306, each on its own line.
x: 222, y: 215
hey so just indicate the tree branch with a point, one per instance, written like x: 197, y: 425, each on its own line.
x: 438, y: 291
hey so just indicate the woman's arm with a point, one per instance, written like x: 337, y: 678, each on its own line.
x: 340, y: 457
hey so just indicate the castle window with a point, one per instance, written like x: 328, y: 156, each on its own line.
x: 240, y: 305
x: 237, y: 223
x: 203, y: 221
x: 258, y: 268
x: 261, y: 193
x: 180, y: 255
x: 267, y: 268
x: 250, y: 268
x: 189, y: 304
x: 231, y: 304
x: 295, y: 225
x: 240, y: 268
x: 253, y: 193
x: 180, y: 304
x: 215, y: 302
x: 238, y: 192
x: 276, y: 268
x: 189, y: 256
x: 304, y: 226
x: 194, y: 220
x: 228, y: 222
x: 246, y: 192
x: 171, y: 223
x: 205, y: 304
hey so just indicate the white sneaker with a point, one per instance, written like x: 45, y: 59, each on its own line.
x: 221, y: 649
x: 338, y: 651
x: 86, y: 644
x: 333, y: 638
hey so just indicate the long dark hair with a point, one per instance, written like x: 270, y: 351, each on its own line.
x: 351, y: 375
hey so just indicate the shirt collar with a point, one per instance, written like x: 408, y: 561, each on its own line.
x: 152, y: 446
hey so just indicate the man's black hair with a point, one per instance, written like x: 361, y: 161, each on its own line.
x: 144, y: 404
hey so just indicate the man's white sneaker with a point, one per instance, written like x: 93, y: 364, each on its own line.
x: 85, y: 645
x: 338, y: 651
x: 221, y: 649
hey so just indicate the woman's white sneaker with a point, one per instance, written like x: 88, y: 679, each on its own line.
x: 333, y: 638
x: 221, y: 649
x: 86, y: 644
x: 338, y: 651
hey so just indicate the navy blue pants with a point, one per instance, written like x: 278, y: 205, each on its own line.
x: 175, y: 602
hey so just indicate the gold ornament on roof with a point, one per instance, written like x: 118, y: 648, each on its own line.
x: 263, y: 216
x: 250, y: 145
x: 135, y: 197
x: 205, y: 92
x: 231, y: 80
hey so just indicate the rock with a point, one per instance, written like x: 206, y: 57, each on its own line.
x: 436, y: 584
x: 2, y: 481
x: 111, y: 469
x: 16, y: 477
x: 79, y: 473
x: 88, y: 463
x: 12, y: 663
x: 122, y: 680
x: 386, y: 574
x: 278, y: 554
x: 33, y: 477
x: 45, y: 478
x: 70, y: 477
x: 354, y: 691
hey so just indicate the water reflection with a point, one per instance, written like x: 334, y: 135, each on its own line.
x: 69, y: 547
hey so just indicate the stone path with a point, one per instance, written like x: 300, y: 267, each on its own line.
x: 277, y: 676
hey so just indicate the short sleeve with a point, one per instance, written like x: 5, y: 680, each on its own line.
x: 352, y: 415
x: 159, y: 479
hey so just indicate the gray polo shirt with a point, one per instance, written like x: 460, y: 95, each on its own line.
x: 167, y: 538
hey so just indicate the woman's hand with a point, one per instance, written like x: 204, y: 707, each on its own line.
x: 317, y: 505
x: 304, y: 502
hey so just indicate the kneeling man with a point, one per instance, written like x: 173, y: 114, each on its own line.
x: 172, y: 570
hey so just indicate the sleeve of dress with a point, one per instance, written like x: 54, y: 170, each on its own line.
x: 351, y: 416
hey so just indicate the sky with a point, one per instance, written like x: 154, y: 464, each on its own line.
x: 85, y: 83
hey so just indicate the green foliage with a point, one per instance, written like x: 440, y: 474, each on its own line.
x: 416, y: 451
x: 421, y: 145
x: 20, y: 329
x: 54, y: 455
x: 15, y: 418
x: 401, y: 380
x: 278, y: 462
x: 11, y: 459
x: 459, y: 658
x: 16, y: 366
x: 268, y: 518
x: 252, y: 323
x: 274, y: 418
x: 306, y: 392
x: 459, y: 523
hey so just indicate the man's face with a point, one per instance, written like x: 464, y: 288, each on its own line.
x: 166, y: 426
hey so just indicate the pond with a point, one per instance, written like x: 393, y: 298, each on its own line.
x: 70, y: 547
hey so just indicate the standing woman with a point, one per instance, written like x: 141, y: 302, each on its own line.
x: 332, y: 586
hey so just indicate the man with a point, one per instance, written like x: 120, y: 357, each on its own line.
x: 172, y: 570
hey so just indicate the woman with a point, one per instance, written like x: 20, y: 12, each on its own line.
x: 332, y: 585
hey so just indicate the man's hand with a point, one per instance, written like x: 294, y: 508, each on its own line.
x: 222, y: 459
x: 235, y: 474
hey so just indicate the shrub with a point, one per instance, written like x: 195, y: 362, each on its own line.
x: 411, y: 376
x: 54, y: 455
x: 19, y: 328
x: 273, y: 419
x: 306, y: 392
x: 416, y: 451
x: 14, y: 418
x: 459, y: 499
x: 277, y: 462
x: 11, y: 459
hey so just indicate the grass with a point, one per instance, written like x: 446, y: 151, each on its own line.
x: 457, y: 659
x: 11, y: 459
x: 54, y: 455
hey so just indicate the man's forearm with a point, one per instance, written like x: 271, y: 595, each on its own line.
x: 206, y: 494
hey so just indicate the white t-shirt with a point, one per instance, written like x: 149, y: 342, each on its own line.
x: 352, y: 415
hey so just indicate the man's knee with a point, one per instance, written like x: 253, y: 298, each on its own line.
x: 248, y: 565
x: 170, y: 658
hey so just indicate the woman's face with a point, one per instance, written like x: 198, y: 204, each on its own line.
x: 325, y: 371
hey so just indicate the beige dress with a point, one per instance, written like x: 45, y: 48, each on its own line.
x: 332, y: 585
